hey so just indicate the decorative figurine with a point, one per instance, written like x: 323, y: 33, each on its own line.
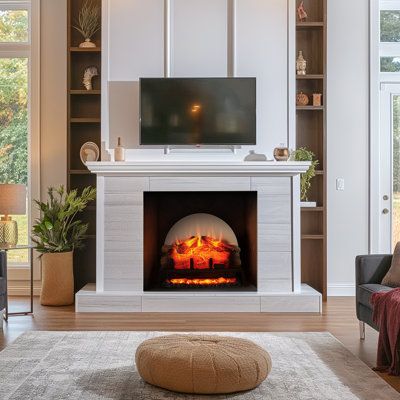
x: 281, y: 153
x: 89, y: 74
x: 119, y: 152
x: 317, y: 99
x: 301, y: 12
x: 302, y: 99
x: 301, y: 64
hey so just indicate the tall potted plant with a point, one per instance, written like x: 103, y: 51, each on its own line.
x: 57, y: 233
x: 303, y: 154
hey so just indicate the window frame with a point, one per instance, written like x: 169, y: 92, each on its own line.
x: 31, y: 51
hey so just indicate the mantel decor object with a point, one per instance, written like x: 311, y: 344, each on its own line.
x: 281, y: 153
x: 119, y: 152
x: 88, y: 23
x: 303, y: 154
x: 302, y: 99
x: 12, y: 202
x: 253, y: 156
x: 88, y: 75
x: 89, y: 152
x: 301, y: 12
x: 301, y: 64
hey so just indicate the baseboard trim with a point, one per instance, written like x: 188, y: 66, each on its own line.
x: 341, y: 289
x: 24, y: 289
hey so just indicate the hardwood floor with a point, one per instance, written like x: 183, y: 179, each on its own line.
x: 338, y: 318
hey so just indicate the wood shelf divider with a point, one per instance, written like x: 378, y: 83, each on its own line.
x: 311, y: 133
x: 83, y: 125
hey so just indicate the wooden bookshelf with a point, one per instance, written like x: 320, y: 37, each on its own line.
x: 311, y: 133
x: 84, y: 117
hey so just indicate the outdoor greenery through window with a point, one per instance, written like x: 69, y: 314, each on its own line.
x: 14, y: 111
x: 389, y: 35
x: 14, y: 26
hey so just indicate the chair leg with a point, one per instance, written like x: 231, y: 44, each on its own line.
x: 362, y: 330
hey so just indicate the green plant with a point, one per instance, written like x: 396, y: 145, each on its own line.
x: 88, y: 19
x: 58, y: 230
x: 302, y: 154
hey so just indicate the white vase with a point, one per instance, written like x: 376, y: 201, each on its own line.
x: 87, y: 44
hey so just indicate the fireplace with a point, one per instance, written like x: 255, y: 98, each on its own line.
x: 200, y: 241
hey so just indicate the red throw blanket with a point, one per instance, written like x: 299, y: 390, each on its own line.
x: 386, y: 316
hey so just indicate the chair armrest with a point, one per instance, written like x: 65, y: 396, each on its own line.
x: 372, y: 268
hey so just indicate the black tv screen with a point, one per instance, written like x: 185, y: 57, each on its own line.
x: 198, y: 111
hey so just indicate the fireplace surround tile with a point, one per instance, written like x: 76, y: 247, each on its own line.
x: 120, y: 236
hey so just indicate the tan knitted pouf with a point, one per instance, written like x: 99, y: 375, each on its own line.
x: 202, y: 364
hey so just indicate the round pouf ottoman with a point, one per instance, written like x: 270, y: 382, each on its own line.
x: 202, y: 364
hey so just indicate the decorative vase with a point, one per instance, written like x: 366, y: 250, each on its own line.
x: 301, y: 64
x: 281, y: 153
x: 87, y: 44
x: 57, y: 279
x: 302, y: 99
x: 119, y: 152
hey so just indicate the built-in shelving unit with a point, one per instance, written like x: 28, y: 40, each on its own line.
x: 311, y: 133
x: 84, y: 117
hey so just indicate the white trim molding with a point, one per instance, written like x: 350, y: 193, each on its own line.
x: 341, y: 289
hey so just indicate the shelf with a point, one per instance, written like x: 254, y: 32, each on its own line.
x: 85, y: 120
x: 312, y: 209
x: 310, y: 76
x: 84, y: 92
x: 309, y: 108
x: 79, y: 172
x: 312, y: 237
x: 85, y: 49
x: 310, y: 25
x: 319, y: 172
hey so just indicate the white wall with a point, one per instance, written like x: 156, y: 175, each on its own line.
x: 199, y: 42
x: 137, y: 41
x: 348, y: 131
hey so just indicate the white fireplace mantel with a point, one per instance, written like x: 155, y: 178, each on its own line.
x: 121, y: 192
x: 198, y: 168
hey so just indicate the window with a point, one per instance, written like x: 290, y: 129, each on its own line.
x: 17, y: 111
x: 389, y: 36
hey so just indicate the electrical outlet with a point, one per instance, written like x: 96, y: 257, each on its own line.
x: 340, y: 184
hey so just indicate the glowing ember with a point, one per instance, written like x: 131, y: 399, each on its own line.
x: 202, y: 282
x: 205, y: 252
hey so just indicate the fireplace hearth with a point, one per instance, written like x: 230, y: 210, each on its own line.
x: 206, y: 241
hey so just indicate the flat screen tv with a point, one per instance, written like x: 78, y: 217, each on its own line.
x: 197, y: 111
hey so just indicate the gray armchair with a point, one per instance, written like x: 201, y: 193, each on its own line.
x: 370, y: 271
x: 3, y: 283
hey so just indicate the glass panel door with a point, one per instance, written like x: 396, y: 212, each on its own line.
x: 395, y: 104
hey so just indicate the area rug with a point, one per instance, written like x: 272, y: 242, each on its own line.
x: 100, y: 365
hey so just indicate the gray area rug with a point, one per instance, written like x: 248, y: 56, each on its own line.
x: 100, y: 365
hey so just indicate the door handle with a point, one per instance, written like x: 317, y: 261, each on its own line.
x: 385, y: 211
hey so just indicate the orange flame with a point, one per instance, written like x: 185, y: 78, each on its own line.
x: 202, y: 282
x: 200, y: 249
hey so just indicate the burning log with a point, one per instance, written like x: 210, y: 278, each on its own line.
x: 200, y: 253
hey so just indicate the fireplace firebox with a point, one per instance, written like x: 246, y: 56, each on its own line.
x: 200, y: 241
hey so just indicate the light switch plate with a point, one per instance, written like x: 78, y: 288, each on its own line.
x: 339, y: 184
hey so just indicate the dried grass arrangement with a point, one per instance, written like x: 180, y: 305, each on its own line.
x: 89, y: 22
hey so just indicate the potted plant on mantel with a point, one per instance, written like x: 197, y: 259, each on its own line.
x: 57, y: 233
x: 302, y: 154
